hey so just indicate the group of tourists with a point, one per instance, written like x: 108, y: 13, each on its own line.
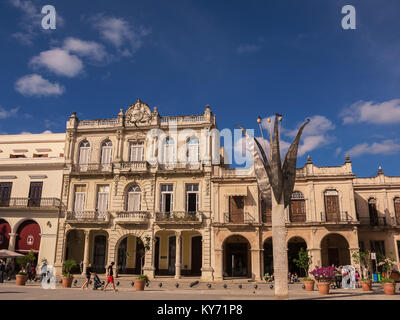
x: 97, y: 282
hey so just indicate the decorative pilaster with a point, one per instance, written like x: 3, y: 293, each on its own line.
x: 178, y: 255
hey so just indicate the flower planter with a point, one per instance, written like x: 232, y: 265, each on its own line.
x: 67, y: 282
x: 309, y: 285
x: 21, y: 279
x: 389, y: 288
x: 323, y: 287
x: 366, y: 285
x: 139, y: 285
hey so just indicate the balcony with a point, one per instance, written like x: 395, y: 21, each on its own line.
x: 88, y: 217
x: 179, y: 217
x: 180, y: 166
x: 92, y: 168
x: 134, y: 166
x: 30, y: 204
x: 132, y: 217
x: 101, y: 123
x: 377, y: 221
x: 340, y: 217
x: 238, y: 218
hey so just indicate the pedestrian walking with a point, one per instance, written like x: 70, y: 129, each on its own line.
x: 89, y: 272
x: 2, y: 270
x: 110, y: 276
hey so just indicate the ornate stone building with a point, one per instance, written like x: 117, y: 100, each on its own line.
x: 31, y: 170
x: 118, y: 196
x: 128, y: 186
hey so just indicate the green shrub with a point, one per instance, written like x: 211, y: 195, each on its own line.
x: 387, y: 280
x: 143, y: 277
x: 67, y: 266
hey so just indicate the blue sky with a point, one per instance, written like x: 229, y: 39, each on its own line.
x: 244, y: 58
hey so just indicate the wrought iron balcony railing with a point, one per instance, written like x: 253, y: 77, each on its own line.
x: 33, y: 203
x: 132, y: 217
x: 376, y: 221
x: 88, y: 216
x: 92, y: 168
x: 338, y: 217
x: 242, y: 217
x: 179, y: 216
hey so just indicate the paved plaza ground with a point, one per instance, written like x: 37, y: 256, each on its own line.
x: 168, y: 291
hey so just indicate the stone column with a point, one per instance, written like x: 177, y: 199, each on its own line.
x: 178, y: 255
x: 11, y: 244
x: 255, y: 264
x: 86, y: 252
x: 316, y: 257
x: 206, y: 269
x: 218, y: 264
x: 148, y: 268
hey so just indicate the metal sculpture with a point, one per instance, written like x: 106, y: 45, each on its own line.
x: 280, y: 178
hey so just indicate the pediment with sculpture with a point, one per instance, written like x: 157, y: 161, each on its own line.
x: 138, y: 113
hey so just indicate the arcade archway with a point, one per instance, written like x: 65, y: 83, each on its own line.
x: 294, y: 246
x: 237, y: 260
x: 130, y: 255
x: 335, y: 250
x: 28, y: 238
x: 5, y: 230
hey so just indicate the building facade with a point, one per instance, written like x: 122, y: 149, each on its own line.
x: 31, y: 171
x: 154, y: 195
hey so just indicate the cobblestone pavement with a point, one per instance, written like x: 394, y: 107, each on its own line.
x: 168, y: 291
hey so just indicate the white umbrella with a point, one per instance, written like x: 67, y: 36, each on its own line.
x: 9, y: 254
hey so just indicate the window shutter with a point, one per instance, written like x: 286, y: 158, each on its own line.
x: 106, y: 155
x: 79, y: 202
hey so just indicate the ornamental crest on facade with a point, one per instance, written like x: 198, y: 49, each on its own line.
x: 137, y: 114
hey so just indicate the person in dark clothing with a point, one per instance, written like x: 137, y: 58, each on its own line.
x: 89, y: 271
x: 110, y: 276
x: 2, y: 269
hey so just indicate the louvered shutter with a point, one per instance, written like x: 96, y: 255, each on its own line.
x: 79, y: 203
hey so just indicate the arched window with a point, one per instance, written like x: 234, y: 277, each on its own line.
x: 193, y: 154
x: 373, y: 213
x: 106, y: 152
x: 397, y: 209
x: 169, y: 151
x: 332, y: 210
x: 84, y: 152
x: 133, y: 199
x: 297, y: 207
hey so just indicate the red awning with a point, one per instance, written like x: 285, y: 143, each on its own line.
x: 5, y: 230
x: 28, y: 237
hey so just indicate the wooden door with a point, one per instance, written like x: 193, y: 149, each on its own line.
x: 332, y: 208
x: 35, y: 194
x: 333, y: 256
x: 5, y: 193
x: 196, y: 256
x: 236, y: 209
x: 373, y: 213
x: 297, y: 211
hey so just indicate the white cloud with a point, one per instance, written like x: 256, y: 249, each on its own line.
x: 386, y: 147
x: 247, y: 48
x: 58, y: 61
x: 35, y: 85
x: 119, y: 32
x: 31, y: 22
x: 4, y: 114
x: 47, y: 132
x: 387, y: 112
x: 89, y: 49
